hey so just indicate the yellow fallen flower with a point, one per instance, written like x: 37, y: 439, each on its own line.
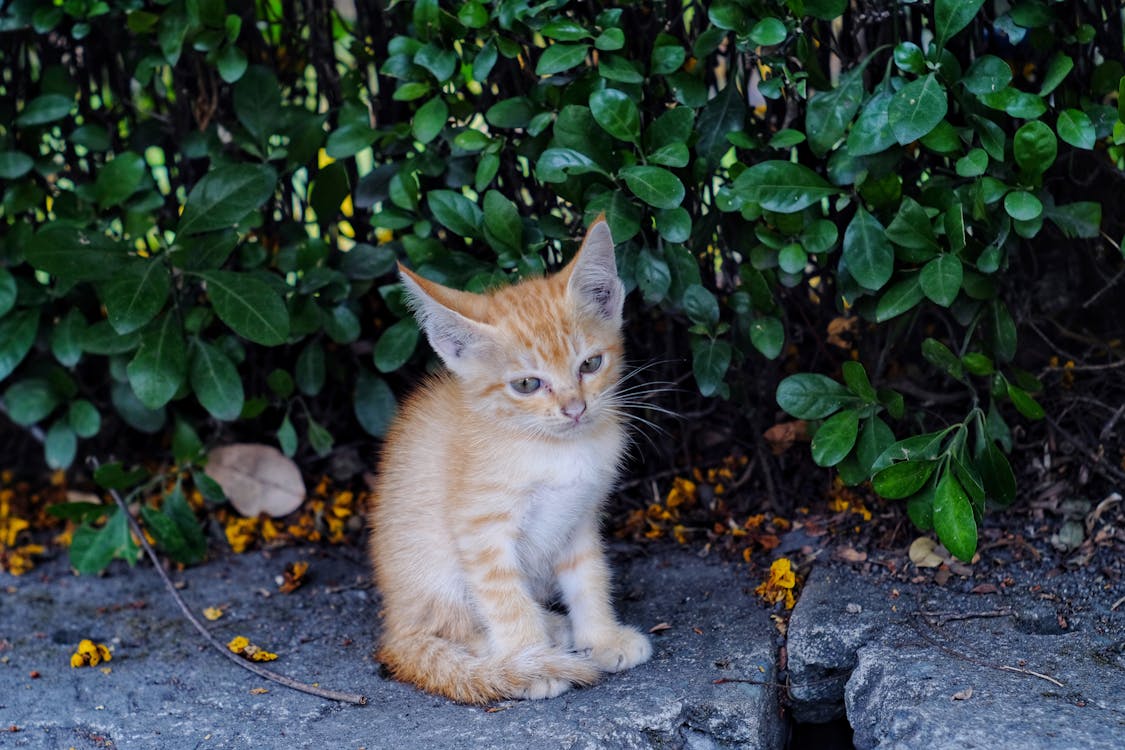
x: 242, y: 646
x: 89, y: 654
x: 780, y: 584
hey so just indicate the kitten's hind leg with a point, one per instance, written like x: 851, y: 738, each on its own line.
x: 583, y: 576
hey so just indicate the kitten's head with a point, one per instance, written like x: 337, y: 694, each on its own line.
x: 544, y: 355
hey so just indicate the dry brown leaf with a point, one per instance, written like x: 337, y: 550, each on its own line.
x: 294, y: 576
x: 837, y: 327
x: 850, y: 554
x: 783, y: 434
x: 659, y: 627
x: 257, y: 479
x: 985, y: 588
x: 924, y: 554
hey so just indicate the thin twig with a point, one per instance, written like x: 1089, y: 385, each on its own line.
x: 251, y: 666
x: 980, y: 662
x: 944, y: 617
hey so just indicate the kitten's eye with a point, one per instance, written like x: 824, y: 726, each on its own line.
x: 526, y: 385
x: 591, y: 365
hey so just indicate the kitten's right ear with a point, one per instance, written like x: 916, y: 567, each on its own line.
x: 456, y: 338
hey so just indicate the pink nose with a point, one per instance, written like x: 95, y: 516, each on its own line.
x: 574, y: 408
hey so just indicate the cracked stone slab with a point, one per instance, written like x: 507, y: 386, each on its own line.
x: 915, y: 666
x: 163, y: 688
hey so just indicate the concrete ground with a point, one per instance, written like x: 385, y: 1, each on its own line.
x: 163, y: 689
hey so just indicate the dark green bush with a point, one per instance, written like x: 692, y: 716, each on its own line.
x: 204, y: 201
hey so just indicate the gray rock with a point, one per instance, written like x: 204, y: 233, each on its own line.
x: 922, y: 667
x: 163, y: 689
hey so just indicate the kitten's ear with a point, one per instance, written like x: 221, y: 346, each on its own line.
x: 593, y: 283
x: 456, y: 338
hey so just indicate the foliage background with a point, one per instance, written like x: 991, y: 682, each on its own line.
x: 815, y: 201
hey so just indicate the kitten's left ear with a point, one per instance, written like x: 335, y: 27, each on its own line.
x: 593, y: 282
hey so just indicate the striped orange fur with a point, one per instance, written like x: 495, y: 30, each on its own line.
x: 489, y: 490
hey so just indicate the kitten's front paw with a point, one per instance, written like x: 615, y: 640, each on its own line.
x: 543, y: 687
x: 618, y: 649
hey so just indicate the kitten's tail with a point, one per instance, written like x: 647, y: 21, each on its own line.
x: 445, y: 668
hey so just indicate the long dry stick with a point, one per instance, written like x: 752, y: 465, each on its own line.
x: 257, y: 669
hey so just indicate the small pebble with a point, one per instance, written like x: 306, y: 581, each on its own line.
x: 853, y: 608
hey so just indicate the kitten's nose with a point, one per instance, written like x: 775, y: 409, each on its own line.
x: 574, y: 408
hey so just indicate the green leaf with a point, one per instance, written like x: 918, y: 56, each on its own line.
x: 812, y: 396
x: 257, y: 102
x: 615, y: 68
x: 1034, y: 147
x: 954, y: 522
x: 456, y: 212
x: 1000, y: 330
x: 700, y: 305
x: 767, y: 335
x: 249, y: 306
x: 941, y: 279
x: 1022, y: 206
x: 44, y: 109
x: 511, y: 113
x: 30, y: 401
x: 14, y: 164
x: 502, y: 225
x: 556, y: 164
x: 1076, y: 128
x: 654, y: 185
x: 855, y: 378
x: 782, y: 186
x: 349, y: 139
x: 724, y: 114
x: 869, y: 256
x: 319, y: 438
x: 1024, y: 403
x: 710, y: 360
x: 1057, y: 70
x: 135, y: 295
x: 903, y: 479
x: 987, y: 75
x: 287, y: 437
x: 674, y: 224
x: 920, y: 509
x: 430, y: 119
x: 76, y: 254
x: 225, y: 196
x: 829, y: 112
x: 363, y: 262
x: 653, y: 275
x: 560, y: 57
x: 216, y: 382
x: 939, y: 355
x: 119, y: 178
x: 835, y: 438
x: 341, y: 324
x: 819, y: 237
x: 996, y: 474
x: 872, y: 132
x: 231, y: 63
x: 91, y: 550
x: 1081, y: 219
x: 911, y: 227
x: 917, y: 108
x: 899, y: 297
x: 84, y: 418
x: 950, y: 16
x: 8, y: 292
x: 395, y: 345
x: 908, y: 57
x: 792, y: 258
x: 113, y: 476
x: 374, y: 404
x: 768, y: 32
x: 671, y: 155
x: 617, y: 114
x: 972, y: 164
x: 874, y: 437
x: 159, y: 367
x: 667, y: 58
x: 17, y: 334
x: 310, y: 371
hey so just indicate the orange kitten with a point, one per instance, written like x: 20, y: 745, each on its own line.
x: 490, y: 487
